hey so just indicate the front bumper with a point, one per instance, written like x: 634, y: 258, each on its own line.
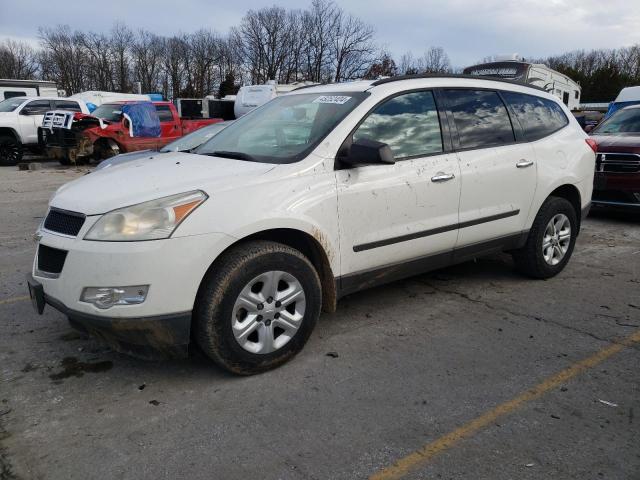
x: 172, y: 268
x: 153, y: 337
x: 619, y: 191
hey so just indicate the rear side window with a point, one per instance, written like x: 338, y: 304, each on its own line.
x: 538, y: 116
x: 164, y: 113
x: 407, y: 123
x: 67, y: 105
x: 480, y: 117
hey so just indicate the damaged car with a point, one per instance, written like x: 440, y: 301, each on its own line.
x: 113, y: 128
x: 237, y: 246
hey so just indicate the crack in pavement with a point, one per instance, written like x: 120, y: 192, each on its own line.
x: 488, y: 305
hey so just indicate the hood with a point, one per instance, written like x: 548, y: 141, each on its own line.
x: 152, y: 177
x: 618, y: 143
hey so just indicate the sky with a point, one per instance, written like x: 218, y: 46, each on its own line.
x: 468, y: 30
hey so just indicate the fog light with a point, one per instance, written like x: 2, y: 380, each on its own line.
x: 107, y: 297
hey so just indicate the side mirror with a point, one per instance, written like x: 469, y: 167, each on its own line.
x: 27, y: 111
x: 368, y: 152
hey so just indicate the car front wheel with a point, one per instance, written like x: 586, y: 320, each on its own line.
x: 10, y: 151
x: 257, y: 306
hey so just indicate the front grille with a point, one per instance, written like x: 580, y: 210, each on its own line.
x: 51, y: 260
x: 618, y: 162
x: 60, y: 221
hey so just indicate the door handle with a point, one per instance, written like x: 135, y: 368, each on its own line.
x: 442, y: 177
x: 524, y: 163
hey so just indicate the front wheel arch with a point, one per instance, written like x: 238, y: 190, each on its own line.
x: 306, y: 244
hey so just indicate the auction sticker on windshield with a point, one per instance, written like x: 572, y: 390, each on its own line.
x: 337, y: 99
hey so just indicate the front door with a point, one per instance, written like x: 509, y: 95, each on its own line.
x: 392, y: 214
x: 30, y: 118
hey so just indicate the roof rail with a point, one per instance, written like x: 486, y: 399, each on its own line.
x: 452, y: 75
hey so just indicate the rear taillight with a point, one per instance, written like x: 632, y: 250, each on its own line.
x: 592, y: 143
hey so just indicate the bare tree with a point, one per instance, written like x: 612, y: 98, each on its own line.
x: 147, y: 52
x: 264, y: 38
x: 353, y: 47
x: 320, y: 23
x: 63, y: 58
x: 120, y: 43
x: 17, y: 60
x: 100, y: 71
x: 436, y: 60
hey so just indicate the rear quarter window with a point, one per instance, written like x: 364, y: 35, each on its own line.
x: 539, y: 117
x: 164, y: 113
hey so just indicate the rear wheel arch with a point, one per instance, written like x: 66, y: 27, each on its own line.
x: 572, y: 195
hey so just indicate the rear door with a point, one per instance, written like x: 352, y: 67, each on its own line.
x: 498, y: 168
x: 390, y: 215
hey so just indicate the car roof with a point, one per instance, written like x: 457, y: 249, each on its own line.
x: 439, y: 79
x: 26, y: 98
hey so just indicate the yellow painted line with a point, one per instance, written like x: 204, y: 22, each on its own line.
x: 14, y: 299
x: 422, y: 456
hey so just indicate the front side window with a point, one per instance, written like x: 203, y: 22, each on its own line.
x: 622, y: 122
x: 37, y: 107
x: 480, y: 118
x: 67, y: 105
x: 538, y: 116
x: 283, y: 130
x: 408, y: 123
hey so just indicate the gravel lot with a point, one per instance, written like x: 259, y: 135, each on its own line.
x: 418, y: 365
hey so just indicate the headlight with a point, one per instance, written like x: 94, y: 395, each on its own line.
x: 146, y: 221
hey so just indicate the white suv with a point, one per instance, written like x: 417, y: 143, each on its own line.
x: 239, y: 244
x: 20, y: 118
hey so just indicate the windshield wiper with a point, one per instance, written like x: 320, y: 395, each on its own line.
x: 236, y: 155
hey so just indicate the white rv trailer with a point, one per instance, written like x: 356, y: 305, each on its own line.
x: 252, y: 96
x: 27, y: 88
x: 515, y: 68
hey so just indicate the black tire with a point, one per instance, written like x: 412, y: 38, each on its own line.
x: 10, y: 151
x: 530, y: 259
x: 221, y: 286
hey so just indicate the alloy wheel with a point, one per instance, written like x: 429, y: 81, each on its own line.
x: 556, y: 239
x: 268, y: 312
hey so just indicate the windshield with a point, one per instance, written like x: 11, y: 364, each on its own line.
x: 283, y: 130
x: 195, y: 139
x: 621, y: 122
x: 10, y: 104
x: 109, y: 111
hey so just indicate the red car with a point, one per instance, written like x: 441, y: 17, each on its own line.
x: 617, y: 178
x: 108, y: 131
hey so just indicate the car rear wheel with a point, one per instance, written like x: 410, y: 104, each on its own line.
x: 257, y: 306
x: 551, y: 240
x: 10, y: 151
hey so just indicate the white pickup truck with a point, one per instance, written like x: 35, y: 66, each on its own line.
x: 20, y: 118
